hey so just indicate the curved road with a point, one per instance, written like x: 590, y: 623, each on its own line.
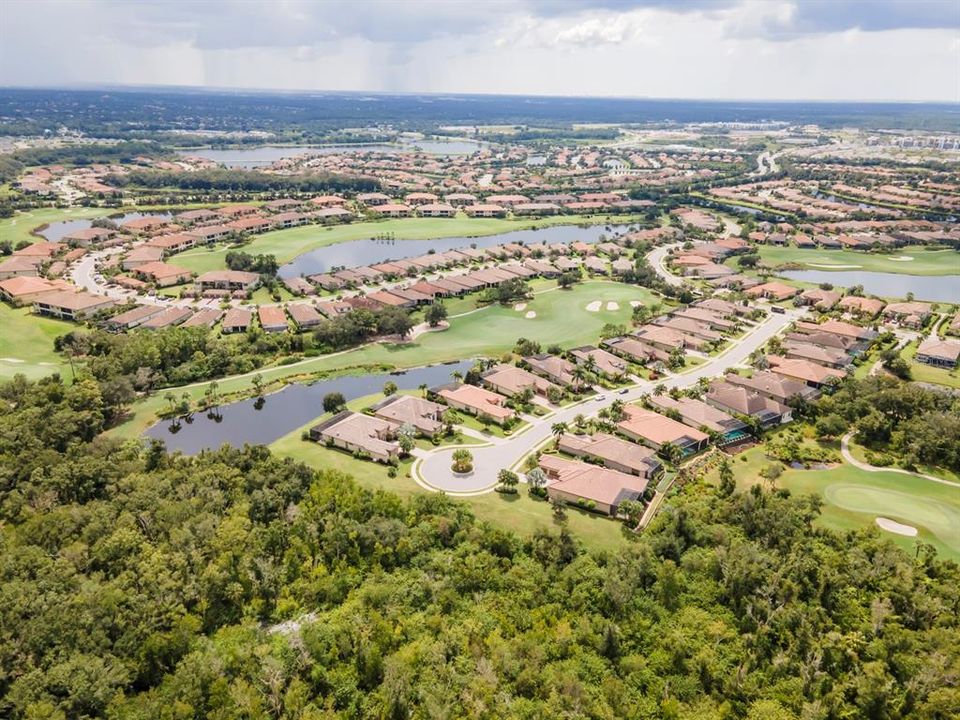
x: 434, y: 470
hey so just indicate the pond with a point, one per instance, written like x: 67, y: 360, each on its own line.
x: 936, y: 288
x: 58, y: 230
x: 371, y: 251
x: 263, y: 421
x: 268, y: 154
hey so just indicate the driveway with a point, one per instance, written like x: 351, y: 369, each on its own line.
x: 434, y: 469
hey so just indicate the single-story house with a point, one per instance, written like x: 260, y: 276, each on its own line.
x: 938, y: 352
x: 657, y: 430
x: 606, y: 363
x: 700, y: 415
x: 227, y: 280
x: 511, y: 381
x: 615, y: 453
x: 304, y: 315
x: 741, y: 400
x: 272, y: 319
x: 130, y: 319
x: 236, y: 320
x: 581, y: 483
x: 424, y: 415
x: 356, y: 432
x: 476, y: 401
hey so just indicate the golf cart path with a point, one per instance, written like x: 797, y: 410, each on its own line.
x: 848, y: 457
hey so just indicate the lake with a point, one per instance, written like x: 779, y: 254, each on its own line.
x: 355, y: 253
x: 935, y: 288
x: 265, y: 155
x: 284, y: 411
x: 58, y: 230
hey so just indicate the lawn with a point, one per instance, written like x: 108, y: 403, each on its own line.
x: 921, y: 372
x: 19, y: 226
x: 288, y: 244
x: 519, y: 513
x: 853, y: 499
x: 26, y: 344
x: 924, y: 261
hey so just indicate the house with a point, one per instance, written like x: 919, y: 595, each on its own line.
x: 813, y: 374
x: 396, y: 210
x: 580, y: 483
x: 845, y: 329
x: 615, y: 453
x: 554, y: 368
x: 18, y: 266
x: 939, y: 353
x: 304, y: 315
x: 141, y: 256
x: 207, y: 317
x: 668, y: 339
x: 373, y: 199
x: 775, y: 291
x: 236, y: 320
x: 485, y: 210
x: 420, y: 198
x: 24, y: 289
x: 387, y: 297
x: 460, y: 199
x: 202, y: 215
x: 704, y: 417
x: 298, y: 286
x: 635, y: 349
x: 865, y: 307
x: 435, y: 209
x: 512, y: 381
x: 272, y: 319
x: 820, y: 299
x: 86, y: 236
x: 536, y: 208
x: 209, y: 233
x: 168, y: 318
x: 712, y: 320
x: 741, y: 400
x: 621, y: 266
x: 595, y: 265
x: 910, y: 314
x: 606, y: 364
x: 424, y: 415
x: 359, y: 433
x: 145, y: 225
x: 167, y: 244
x: 130, y: 319
x: 227, y: 280
x: 507, y: 200
x: 774, y: 386
x: 476, y: 401
x: 327, y: 201
x: 289, y: 219
x: 252, y: 224
x: 689, y: 326
x: 827, y: 356
x: 40, y: 250
x: 162, y: 274
x: 69, y: 305
x: 656, y: 430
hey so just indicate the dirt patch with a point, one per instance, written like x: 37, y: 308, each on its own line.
x: 897, y: 528
x: 636, y: 303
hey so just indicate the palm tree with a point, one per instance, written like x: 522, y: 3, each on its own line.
x: 580, y: 420
x: 659, y: 389
x: 579, y: 376
x: 590, y: 364
x: 616, y: 410
x: 558, y: 429
x: 457, y: 375
x: 423, y: 389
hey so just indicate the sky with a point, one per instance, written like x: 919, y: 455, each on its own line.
x: 902, y: 50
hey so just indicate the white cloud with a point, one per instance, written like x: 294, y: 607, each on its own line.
x: 777, y: 49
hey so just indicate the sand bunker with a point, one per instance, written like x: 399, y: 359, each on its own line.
x: 895, y: 527
x: 636, y: 303
x: 520, y: 307
x: 613, y: 306
x: 830, y: 266
x: 594, y: 306
x: 11, y: 360
x: 902, y: 258
x: 530, y: 315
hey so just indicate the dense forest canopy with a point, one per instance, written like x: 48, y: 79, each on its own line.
x: 137, y: 584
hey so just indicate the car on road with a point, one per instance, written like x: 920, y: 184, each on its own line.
x: 623, y: 391
x: 600, y: 398
x: 778, y: 310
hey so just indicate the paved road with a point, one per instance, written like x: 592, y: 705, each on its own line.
x: 656, y: 258
x: 434, y: 469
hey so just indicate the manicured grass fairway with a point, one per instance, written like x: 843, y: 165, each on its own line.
x: 519, y: 513
x: 924, y: 262
x: 853, y: 499
x: 287, y: 244
x: 28, y: 338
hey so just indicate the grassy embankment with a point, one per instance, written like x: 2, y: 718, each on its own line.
x: 26, y: 344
